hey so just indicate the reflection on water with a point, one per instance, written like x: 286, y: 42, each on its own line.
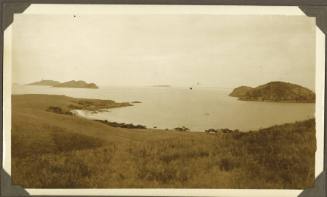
x: 197, y: 109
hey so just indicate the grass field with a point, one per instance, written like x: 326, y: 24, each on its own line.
x: 60, y: 150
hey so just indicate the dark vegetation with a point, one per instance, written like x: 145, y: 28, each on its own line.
x: 54, y: 150
x: 221, y: 130
x: 122, y: 125
x: 58, y: 110
x: 182, y: 128
x: 276, y: 91
x: 136, y: 102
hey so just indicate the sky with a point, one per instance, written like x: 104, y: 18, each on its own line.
x: 179, y: 50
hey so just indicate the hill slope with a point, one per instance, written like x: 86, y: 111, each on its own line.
x: 276, y: 91
x: 240, y: 91
x: 56, y: 150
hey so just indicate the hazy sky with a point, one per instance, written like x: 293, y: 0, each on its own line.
x: 181, y: 50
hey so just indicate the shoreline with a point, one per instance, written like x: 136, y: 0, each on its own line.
x: 101, y: 105
x: 65, y: 151
x: 274, y: 101
x: 179, y: 128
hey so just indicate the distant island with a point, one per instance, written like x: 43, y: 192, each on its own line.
x: 45, y: 83
x: 68, y: 84
x: 76, y: 84
x: 162, y: 86
x: 276, y: 91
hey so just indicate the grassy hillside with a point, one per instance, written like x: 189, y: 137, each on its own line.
x: 58, y: 150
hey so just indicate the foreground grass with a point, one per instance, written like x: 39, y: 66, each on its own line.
x: 51, y: 150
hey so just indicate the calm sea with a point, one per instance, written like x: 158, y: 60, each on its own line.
x: 197, y: 109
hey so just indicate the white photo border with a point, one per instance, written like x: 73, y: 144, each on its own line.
x: 58, y: 9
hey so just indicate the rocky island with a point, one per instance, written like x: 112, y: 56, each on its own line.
x: 45, y: 83
x: 276, y: 91
x: 68, y: 84
x: 76, y: 84
x: 162, y: 86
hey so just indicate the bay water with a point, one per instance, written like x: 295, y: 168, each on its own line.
x: 198, y: 108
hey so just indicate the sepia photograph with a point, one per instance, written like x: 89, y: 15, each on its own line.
x: 156, y: 100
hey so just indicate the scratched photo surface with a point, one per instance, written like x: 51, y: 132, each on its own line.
x: 163, y: 101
